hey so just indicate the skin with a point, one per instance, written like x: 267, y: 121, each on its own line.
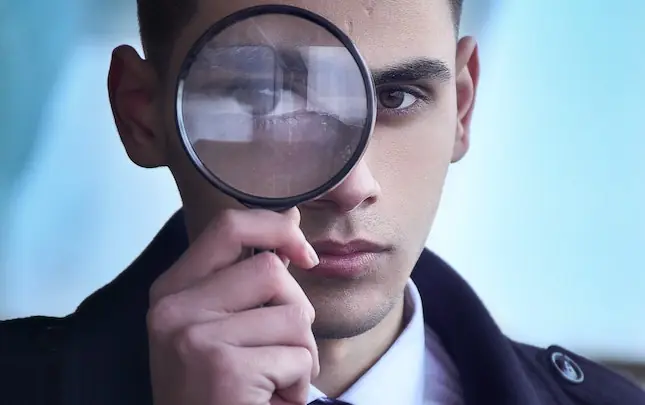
x: 390, y: 198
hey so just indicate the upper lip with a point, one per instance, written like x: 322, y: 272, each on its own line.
x: 335, y: 248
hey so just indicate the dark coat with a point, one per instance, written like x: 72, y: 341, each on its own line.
x: 99, y: 354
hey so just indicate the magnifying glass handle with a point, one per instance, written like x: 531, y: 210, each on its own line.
x: 258, y: 251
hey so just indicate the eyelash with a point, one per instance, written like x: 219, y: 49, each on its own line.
x: 422, y: 96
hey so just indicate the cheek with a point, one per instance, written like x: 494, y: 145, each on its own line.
x: 410, y: 163
x: 412, y: 159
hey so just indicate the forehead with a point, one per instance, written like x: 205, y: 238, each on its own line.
x: 385, y: 31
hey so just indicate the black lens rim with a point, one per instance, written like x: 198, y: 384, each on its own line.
x: 283, y: 203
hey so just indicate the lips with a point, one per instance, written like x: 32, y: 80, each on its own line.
x: 333, y: 248
x: 351, y: 260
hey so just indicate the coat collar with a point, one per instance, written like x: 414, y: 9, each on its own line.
x: 106, y: 355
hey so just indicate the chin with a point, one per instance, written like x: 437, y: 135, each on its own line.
x: 350, y: 315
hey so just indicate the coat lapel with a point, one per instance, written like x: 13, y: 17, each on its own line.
x: 106, y: 354
x: 489, y: 367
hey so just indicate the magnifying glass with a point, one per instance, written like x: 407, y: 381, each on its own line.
x: 275, y: 106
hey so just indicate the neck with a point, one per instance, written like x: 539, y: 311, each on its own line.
x: 343, y: 362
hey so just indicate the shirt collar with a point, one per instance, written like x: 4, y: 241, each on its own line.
x: 384, y: 383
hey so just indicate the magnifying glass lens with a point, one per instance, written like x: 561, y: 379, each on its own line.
x: 274, y: 106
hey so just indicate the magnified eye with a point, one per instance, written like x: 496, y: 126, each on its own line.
x: 263, y: 98
x: 260, y: 97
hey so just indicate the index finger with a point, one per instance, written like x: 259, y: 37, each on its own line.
x: 226, y: 239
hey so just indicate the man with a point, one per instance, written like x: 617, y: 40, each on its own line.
x: 358, y: 311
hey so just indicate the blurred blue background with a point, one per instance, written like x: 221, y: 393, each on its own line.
x: 545, y: 217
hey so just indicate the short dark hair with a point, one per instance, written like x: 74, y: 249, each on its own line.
x: 161, y: 20
x: 456, y: 6
x: 159, y: 24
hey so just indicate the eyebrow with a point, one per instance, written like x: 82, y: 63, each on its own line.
x: 413, y: 70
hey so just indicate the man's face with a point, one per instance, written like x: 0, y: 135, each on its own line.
x: 391, y: 197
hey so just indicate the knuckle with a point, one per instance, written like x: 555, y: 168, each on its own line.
x: 270, y: 269
x: 293, y: 231
x: 305, y: 358
x: 298, y: 315
x: 189, y: 341
x: 162, y: 316
x: 226, y: 223
x: 304, y: 313
x: 270, y: 263
x: 311, y: 312
x: 294, y: 215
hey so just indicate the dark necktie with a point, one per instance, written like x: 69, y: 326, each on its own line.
x: 328, y: 401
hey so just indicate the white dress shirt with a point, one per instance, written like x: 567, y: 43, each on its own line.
x: 416, y: 370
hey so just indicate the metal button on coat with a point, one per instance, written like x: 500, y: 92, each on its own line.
x: 568, y: 369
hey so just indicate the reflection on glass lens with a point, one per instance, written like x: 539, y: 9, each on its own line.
x: 274, y: 106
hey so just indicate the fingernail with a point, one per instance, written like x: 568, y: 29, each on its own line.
x: 313, y: 256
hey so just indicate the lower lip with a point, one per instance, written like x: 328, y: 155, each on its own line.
x: 345, y: 266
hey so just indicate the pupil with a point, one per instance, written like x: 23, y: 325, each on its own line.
x: 392, y: 99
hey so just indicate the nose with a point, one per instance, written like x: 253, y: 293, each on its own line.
x: 359, y: 188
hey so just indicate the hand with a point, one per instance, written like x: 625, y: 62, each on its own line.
x: 227, y: 332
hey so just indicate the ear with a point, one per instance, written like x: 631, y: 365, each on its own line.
x: 133, y: 87
x: 467, y: 80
